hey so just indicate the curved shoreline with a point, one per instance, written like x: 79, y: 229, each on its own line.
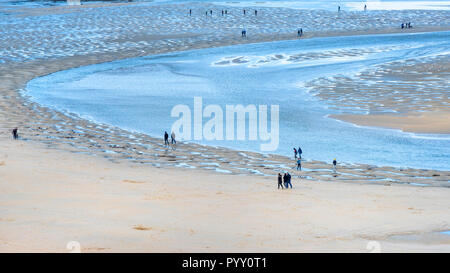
x: 154, y: 126
x: 269, y: 165
x: 53, y: 193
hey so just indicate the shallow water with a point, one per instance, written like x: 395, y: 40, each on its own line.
x: 346, y: 5
x: 138, y: 94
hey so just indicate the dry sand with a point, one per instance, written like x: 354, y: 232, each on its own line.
x: 51, y: 197
x: 436, y: 122
x: 126, y: 195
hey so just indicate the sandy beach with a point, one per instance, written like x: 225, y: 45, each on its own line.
x: 69, y: 179
x: 122, y: 207
x: 419, y: 104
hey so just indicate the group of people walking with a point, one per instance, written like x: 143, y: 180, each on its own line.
x: 286, y: 178
x: 224, y: 12
x: 256, y: 12
x: 298, y: 156
x: 298, y: 152
x: 244, y: 31
x: 406, y: 25
x: 166, y: 138
x: 339, y: 8
x: 299, y: 32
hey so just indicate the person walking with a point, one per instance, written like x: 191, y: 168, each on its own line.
x: 15, y: 134
x: 295, y: 153
x: 190, y: 12
x: 256, y: 12
x: 288, y: 183
x: 334, y: 165
x: 166, y: 138
x: 299, y: 164
x: 172, y: 136
x: 300, y: 152
x: 280, y: 181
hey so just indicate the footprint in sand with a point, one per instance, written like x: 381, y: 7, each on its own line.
x: 96, y: 249
x: 132, y: 181
x: 142, y: 227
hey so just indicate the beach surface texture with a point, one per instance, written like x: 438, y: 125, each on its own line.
x: 68, y: 179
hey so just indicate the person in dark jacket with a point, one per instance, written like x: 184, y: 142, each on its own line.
x: 280, y: 181
x: 15, y: 133
x: 288, y: 183
x: 166, y: 138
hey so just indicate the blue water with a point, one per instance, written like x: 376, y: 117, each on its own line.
x: 138, y: 94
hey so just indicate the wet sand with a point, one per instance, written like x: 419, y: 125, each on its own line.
x: 54, y: 147
x: 67, y: 132
x: 412, y: 96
